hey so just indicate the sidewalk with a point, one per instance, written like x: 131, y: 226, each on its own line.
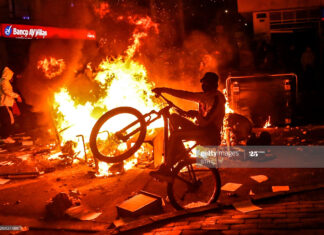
x: 304, y: 217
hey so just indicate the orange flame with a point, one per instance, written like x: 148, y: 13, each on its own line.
x: 226, y: 139
x: 227, y: 107
x: 143, y: 24
x: 102, y: 9
x: 124, y: 82
x: 51, y: 67
x: 268, y: 123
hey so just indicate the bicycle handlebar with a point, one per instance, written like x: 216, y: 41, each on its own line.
x: 170, y: 103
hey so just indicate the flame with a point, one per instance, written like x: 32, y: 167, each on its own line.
x: 268, y: 123
x: 226, y: 138
x: 227, y: 107
x: 190, y: 145
x: 124, y: 83
x: 129, y: 164
x: 144, y: 24
x: 129, y: 86
x: 54, y: 156
x: 51, y: 67
x: 102, y: 9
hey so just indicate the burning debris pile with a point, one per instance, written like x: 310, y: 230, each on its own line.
x: 122, y: 81
x: 119, y: 80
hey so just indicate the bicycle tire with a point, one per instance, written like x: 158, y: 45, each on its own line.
x: 100, y: 123
x: 181, y: 165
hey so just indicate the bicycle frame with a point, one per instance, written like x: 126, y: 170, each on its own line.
x: 183, y: 167
x: 164, y: 112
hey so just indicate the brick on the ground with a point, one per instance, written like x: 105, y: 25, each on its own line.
x: 279, y: 219
x: 190, y: 226
x: 231, y: 232
x: 286, y: 220
x: 243, y: 226
x: 259, y: 221
x: 272, y: 215
x: 174, y: 232
x: 215, y: 227
x: 230, y: 221
x: 193, y: 232
x: 246, y: 216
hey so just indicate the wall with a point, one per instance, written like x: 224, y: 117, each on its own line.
x: 262, y: 5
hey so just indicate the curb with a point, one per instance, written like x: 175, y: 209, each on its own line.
x: 184, y: 213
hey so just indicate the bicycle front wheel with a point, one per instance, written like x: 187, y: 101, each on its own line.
x: 193, y: 185
x: 117, y: 134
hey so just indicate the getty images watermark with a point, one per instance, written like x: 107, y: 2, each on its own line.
x: 261, y: 156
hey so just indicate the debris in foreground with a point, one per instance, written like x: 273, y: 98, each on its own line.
x: 280, y: 188
x: 58, y: 205
x: 246, y: 206
x: 141, y: 203
x: 259, y: 178
x: 82, y: 213
x: 4, y: 181
x: 231, y: 187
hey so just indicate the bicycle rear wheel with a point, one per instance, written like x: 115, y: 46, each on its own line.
x: 117, y: 134
x: 193, y: 185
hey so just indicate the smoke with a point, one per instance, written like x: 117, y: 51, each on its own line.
x: 36, y: 89
x: 172, y: 58
x: 182, y: 67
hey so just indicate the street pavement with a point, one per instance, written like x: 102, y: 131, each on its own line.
x: 296, y: 217
x: 23, y: 201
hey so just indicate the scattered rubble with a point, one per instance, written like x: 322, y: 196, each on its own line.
x: 246, y: 206
x: 56, y: 208
x: 141, y: 203
x: 259, y: 178
x: 280, y: 188
x: 231, y: 187
x: 117, y: 168
x: 6, y: 163
x: 4, y: 181
x: 82, y: 213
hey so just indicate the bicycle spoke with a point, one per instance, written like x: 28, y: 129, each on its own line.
x: 183, y: 180
x: 118, y: 134
x: 194, y: 186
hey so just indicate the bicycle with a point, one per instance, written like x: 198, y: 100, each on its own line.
x: 192, y: 184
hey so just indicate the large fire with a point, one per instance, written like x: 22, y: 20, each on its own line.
x: 124, y: 82
x: 51, y: 67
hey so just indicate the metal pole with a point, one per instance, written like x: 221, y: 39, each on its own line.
x: 84, y: 148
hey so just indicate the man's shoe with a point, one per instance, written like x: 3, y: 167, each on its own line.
x: 162, y: 175
x: 9, y: 140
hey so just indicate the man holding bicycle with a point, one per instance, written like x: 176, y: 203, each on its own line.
x: 207, y: 128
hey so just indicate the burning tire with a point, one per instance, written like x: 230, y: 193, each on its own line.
x: 184, y: 192
x: 117, y: 134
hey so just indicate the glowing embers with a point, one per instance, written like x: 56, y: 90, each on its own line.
x: 142, y: 158
x: 51, y: 67
x: 101, y: 9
